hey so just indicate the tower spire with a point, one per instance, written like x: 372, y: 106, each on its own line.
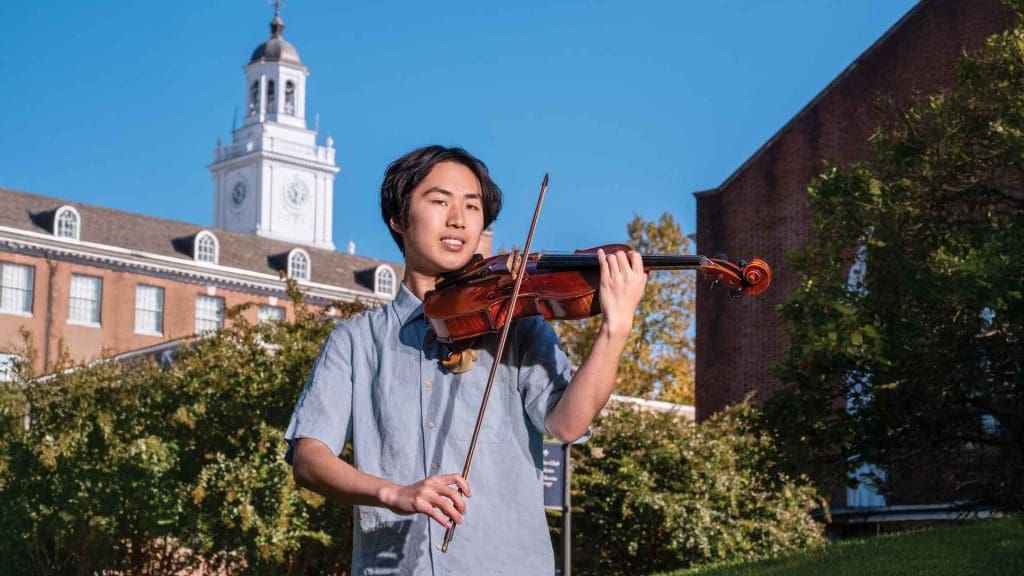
x: 277, y: 24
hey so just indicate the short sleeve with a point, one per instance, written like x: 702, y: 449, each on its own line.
x: 544, y: 370
x: 324, y: 409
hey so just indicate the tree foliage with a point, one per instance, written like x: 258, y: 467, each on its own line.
x: 658, y: 359
x: 922, y: 343
x: 658, y: 493
x: 137, y: 468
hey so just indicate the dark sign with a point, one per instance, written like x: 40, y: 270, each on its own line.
x: 554, y: 475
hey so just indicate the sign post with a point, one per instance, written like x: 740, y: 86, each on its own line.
x: 557, y: 475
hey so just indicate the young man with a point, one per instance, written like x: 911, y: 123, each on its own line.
x: 378, y: 383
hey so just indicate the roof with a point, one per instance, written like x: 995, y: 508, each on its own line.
x: 35, y: 213
x: 276, y: 49
x: 875, y: 46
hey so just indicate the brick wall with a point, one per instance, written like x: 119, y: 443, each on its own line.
x: 50, y: 329
x: 762, y: 211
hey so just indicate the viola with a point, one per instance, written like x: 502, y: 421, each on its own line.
x: 476, y: 299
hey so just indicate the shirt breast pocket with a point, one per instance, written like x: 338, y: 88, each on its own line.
x: 468, y: 396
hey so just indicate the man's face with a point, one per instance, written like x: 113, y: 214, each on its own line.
x: 446, y: 218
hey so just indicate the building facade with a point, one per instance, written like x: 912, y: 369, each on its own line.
x: 762, y: 209
x: 94, y: 282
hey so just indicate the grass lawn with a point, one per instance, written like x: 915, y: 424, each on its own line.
x: 986, y: 547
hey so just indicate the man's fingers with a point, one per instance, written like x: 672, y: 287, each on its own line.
x: 454, y: 495
x: 613, y: 264
x: 622, y: 260
x: 636, y: 261
x: 458, y: 480
x: 447, y: 508
x: 439, y: 517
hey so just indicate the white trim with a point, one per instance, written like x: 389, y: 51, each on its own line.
x: 268, y: 156
x: 16, y: 313
x: 216, y: 247
x: 10, y: 371
x: 185, y: 268
x: 661, y: 406
x: 84, y: 324
x: 78, y: 222
x: 309, y: 264
x: 376, y: 280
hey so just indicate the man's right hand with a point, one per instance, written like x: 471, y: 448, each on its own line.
x: 440, y: 497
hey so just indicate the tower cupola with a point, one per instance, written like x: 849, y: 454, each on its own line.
x: 274, y: 179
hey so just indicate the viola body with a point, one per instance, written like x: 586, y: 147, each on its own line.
x: 477, y: 299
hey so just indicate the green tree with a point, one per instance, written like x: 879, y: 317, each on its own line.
x: 136, y: 468
x: 657, y: 493
x: 658, y: 359
x: 922, y: 344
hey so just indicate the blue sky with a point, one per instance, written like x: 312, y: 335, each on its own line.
x: 631, y: 106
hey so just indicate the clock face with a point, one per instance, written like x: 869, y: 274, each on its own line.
x: 238, y: 194
x: 296, y: 195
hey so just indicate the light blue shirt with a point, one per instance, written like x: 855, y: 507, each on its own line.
x: 377, y: 383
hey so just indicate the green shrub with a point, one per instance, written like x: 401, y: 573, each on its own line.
x: 132, y: 468
x: 657, y: 493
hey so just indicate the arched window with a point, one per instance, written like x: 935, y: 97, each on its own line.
x: 384, y: 281
x: 67, y: 223
x: 254, y: 98
x: 206, y: 248
x: 298, y: 264
x: 271, y: 97
x: 289, y: 97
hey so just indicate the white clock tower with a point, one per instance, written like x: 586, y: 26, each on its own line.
x: 273, y: 179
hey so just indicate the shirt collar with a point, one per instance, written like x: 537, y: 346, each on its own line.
x: 406, y: 305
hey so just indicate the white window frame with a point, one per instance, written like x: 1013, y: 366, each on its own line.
x: 269, y: 313
x: 7, y: 286
x: 293, y: 269
x: 95, y: 319
x: 143, y: 312
x: 204, y: 320
x: 62, y: 212
x: 379, y: 274
x: 8, y: 366
x: 200, y: 253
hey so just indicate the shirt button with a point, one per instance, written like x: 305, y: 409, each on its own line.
x: 430, y: 424
x: 430, y: 383
x: 435, y: 465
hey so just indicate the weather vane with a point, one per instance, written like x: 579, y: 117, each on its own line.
x: 277, y: 4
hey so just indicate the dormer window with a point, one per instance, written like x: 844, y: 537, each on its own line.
x: 271, y: 97
x: 289, y: 97
x: 206, y: 248
x: 66, y: 223
x: 298, y: 264
x: 384, y: 281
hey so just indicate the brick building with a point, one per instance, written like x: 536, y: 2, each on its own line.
x: 100, y: 281
x: 762, y: 211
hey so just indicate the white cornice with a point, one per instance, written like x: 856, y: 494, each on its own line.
x: 277, y: 157
x: 186, y: 269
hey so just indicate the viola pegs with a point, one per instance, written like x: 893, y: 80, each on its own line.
x: 736, y: 293
x: 713, y: 284
x: 742, y: 264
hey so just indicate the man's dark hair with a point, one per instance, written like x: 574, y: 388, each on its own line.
x: 404, y: 174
